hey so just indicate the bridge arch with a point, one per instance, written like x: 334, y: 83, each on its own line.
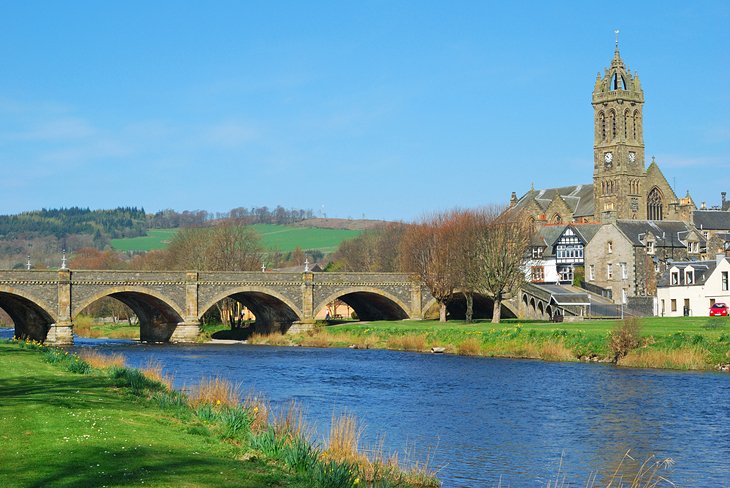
x: 483, y: 307
x: 368, y: 303
x: 274, y: 312
x: 31, y: 319
x: 158, y: 315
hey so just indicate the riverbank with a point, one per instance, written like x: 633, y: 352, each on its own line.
x: 66, y: 423
x: 685, y: 343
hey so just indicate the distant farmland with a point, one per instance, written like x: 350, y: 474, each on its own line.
x: 284, y: 238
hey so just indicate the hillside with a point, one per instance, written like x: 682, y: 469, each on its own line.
x: 284, y: 238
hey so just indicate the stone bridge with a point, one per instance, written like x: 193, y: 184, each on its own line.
x: 170, y: 304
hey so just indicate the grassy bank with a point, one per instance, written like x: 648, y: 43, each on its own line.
x: 64, y: 422
x: 699, y: 343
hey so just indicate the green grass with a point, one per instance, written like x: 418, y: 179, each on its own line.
x: 58, y: 428
x: 708, y: 336
x: 155, y: 239
x: 284, y: 238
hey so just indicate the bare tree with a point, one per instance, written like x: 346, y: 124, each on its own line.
x: 501, y: 255
x: 429, y: 250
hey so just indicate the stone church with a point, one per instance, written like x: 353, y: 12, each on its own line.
x: 623, y: 187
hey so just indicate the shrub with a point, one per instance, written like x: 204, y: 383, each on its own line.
x: 135, y: 380
x: 624, y: 338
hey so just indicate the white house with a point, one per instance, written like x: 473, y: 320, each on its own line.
x: 692, y: 287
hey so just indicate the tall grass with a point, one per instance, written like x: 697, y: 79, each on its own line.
x: 408, y: 342
x: 470, y: 347
x: 98, y: 360
x: 693, y: 358
x: 216, y: 392
x: 153, y: 371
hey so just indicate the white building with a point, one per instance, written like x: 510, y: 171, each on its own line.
x: 691, y: 288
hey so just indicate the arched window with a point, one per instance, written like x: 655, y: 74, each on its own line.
x: 654, y: 205
x: 613, y: 125
x: 557, y: 219
x: 626, y: 125
x: 602, y: 122
x: 637, y: 125
x: 633, y: 126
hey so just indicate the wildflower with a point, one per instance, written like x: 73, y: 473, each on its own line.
x: 255, y: 409
x: 217, y: 402
x: 356, y: 482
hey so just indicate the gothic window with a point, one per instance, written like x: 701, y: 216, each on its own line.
x: 618, y: 82
x: 637, y: 125
x: 633, y: 126
x: 626, y: 125
x: 602, y: 122
x: 654, y: 205
x: 613, y: 125
x: 557, y: 219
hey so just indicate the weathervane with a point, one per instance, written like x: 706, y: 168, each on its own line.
x: 616, y: 32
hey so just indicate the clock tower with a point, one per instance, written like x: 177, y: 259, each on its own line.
x: 618, y: 150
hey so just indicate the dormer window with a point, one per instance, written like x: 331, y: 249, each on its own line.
x: 689, y: 277
x: 693, y: 247
x: 674, y: 277
x: 650, y: 247
x: 537, y: 253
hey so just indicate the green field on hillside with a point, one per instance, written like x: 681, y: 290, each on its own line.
x: 283, y: 238
x: 155, y: 239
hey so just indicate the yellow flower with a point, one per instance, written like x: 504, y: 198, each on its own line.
x: 357, y: 481
x: 217, y: 402
x: 255, y: 409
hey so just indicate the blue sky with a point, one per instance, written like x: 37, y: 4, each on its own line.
x: 377, y: 109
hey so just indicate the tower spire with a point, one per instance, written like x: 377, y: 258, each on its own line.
x: 616, y: 32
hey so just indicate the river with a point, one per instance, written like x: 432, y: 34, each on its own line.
x: 481, y: 419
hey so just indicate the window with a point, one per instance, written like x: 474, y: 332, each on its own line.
x: 693, y: 247
x: 592, y: 272
x: 706, y: 234
x: 712, y: 302
x: 624, y: 271
x: 566, y: 274
x: 654, y: 205
x: 674, y: 304
x: 675, y: 277
x: 609, y: 271
x: 724, y: 280
x: 686, y: 306
x: 689, y: 277
x: 536, y: 252
x: 537, y: 274
x: 609, y: 247
x: 650, y: 247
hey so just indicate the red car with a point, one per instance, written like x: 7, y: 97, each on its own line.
x: 718, y: 309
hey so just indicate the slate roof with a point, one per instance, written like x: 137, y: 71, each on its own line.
x: 550, y: 234
x: 579, y: 198
x: 711, y: 219
x: 668, y: 233
x: 703, y: 270
x: 587, y: 231
x: 563, y: 296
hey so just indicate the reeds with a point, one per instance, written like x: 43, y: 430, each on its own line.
x: 98, y: 360
x: 408, y: 342
x: 153, y: 371
x: 691, y: 358
x: 216, y: 392
x: 470, y: 347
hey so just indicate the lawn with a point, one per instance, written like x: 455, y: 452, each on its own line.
x: 282, y: 238
x: 66, y: 429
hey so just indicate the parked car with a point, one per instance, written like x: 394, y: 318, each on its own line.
x: 718, y: 309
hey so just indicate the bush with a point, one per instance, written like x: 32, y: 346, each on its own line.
x: 624, y: 338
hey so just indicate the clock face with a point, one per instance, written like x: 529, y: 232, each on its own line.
x: 608, y: 159
x: 632, y: 157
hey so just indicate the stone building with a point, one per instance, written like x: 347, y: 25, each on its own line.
x: 626, y: 256
x: 623, y: 188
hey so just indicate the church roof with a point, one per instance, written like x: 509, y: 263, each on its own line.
x: 711, y: 219
x: 668, y: 233
x: 578, y: 198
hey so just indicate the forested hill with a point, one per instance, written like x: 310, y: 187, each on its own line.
x: 62, y: 222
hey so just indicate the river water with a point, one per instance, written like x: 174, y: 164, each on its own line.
x: 479, y: 420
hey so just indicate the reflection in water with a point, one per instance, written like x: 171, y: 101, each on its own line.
x: 486, y: 418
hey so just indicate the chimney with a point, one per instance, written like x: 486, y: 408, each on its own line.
x: 703, y: 206
x: 513, y: 199
x: 724, y: 194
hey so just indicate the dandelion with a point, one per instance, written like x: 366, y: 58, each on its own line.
x: 217, y: 402
x: 255, y: 409
x: 356, y: 482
